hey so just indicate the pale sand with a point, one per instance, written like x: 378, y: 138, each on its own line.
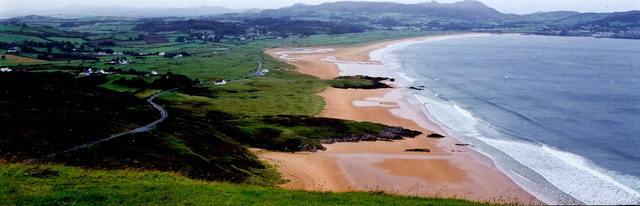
x: 447, y: 171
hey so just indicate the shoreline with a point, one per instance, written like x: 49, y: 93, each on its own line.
x: 447, y: 171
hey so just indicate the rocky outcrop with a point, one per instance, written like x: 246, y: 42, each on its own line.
x: 418, y: 150
x: 387, y: 134
x: 375, y: 82
x: 435, y: 135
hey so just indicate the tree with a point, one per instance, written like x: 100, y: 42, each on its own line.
x: 3, y: 57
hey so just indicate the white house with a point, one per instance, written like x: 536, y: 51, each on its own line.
x: 161, y: 53
x: 220, y: 82
x: 6, y: 69
x: 86, y: 72
x: 121, y: 61
x: 90, y: 71
x: 13, y: 49
x: 154, y: 73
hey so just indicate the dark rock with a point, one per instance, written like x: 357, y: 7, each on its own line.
x: 311, y: 148
x: 402, y: 131
x: 435, y: 135
x: 462, y: 144
x: 387, y: 134
x: 416, y: 88
x: 375, y: 82
x: 417, y: 150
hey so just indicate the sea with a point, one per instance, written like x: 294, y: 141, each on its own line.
x: 559, y: 115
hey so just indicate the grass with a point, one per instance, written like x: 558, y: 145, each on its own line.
x: 279, y: 92
x: 349, y: 83
x: 293, y: 133
x: 60, y: 185
x: 12, y: 60
x: 186, y: 142
x: 359, y: 82
x: 76, y: 41
x: 110, y: 85
x: 147, y: 93
x: 14, y: 38
x: 11, y: 28
x: 161, y: 49
x: 103, y: 36
x: 61, y: 111
x: 350, y: 39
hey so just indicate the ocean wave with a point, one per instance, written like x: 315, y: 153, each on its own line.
x: 570, y: 173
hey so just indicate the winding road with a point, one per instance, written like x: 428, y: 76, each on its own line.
x: 163, y: 116
x: 259, y: 72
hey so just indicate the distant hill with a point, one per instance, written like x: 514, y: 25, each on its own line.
x: 468, y: 10
x: 554, y: 15
x: 357, y: 16
x: 626, y: 19
x: 75, y: 12
x: 467, y: 5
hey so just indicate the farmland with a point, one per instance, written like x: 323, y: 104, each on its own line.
x: 11, y: 59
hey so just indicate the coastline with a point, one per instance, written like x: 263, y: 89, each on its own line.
x: 447, y: 171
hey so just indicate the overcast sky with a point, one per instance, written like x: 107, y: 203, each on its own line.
x: 505, y: 6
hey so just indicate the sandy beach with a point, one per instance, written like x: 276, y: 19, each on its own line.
x: 448, y: 170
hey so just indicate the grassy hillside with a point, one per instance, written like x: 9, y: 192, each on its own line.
x: 14, y: 38
x: 48, y: 112
x: 59, y: 185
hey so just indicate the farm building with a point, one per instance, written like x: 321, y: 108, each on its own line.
x: 13, y: 49
x: 220, y: 82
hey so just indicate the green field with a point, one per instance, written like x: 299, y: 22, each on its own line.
x: 350, y: 39
x: 59, y: 185
x: 125, y: 36
x: 102, y: 36
x: 66, y: 39
x: 14, y: 38
x: 11, y: 28
x: 280, y: 92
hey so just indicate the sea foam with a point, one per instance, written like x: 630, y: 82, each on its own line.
x: 568, y: 172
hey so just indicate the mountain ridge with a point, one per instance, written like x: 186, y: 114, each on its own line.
x: 467, y: 10
x: 123, y: 11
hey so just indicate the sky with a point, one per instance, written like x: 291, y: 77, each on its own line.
x: 504, y: 6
